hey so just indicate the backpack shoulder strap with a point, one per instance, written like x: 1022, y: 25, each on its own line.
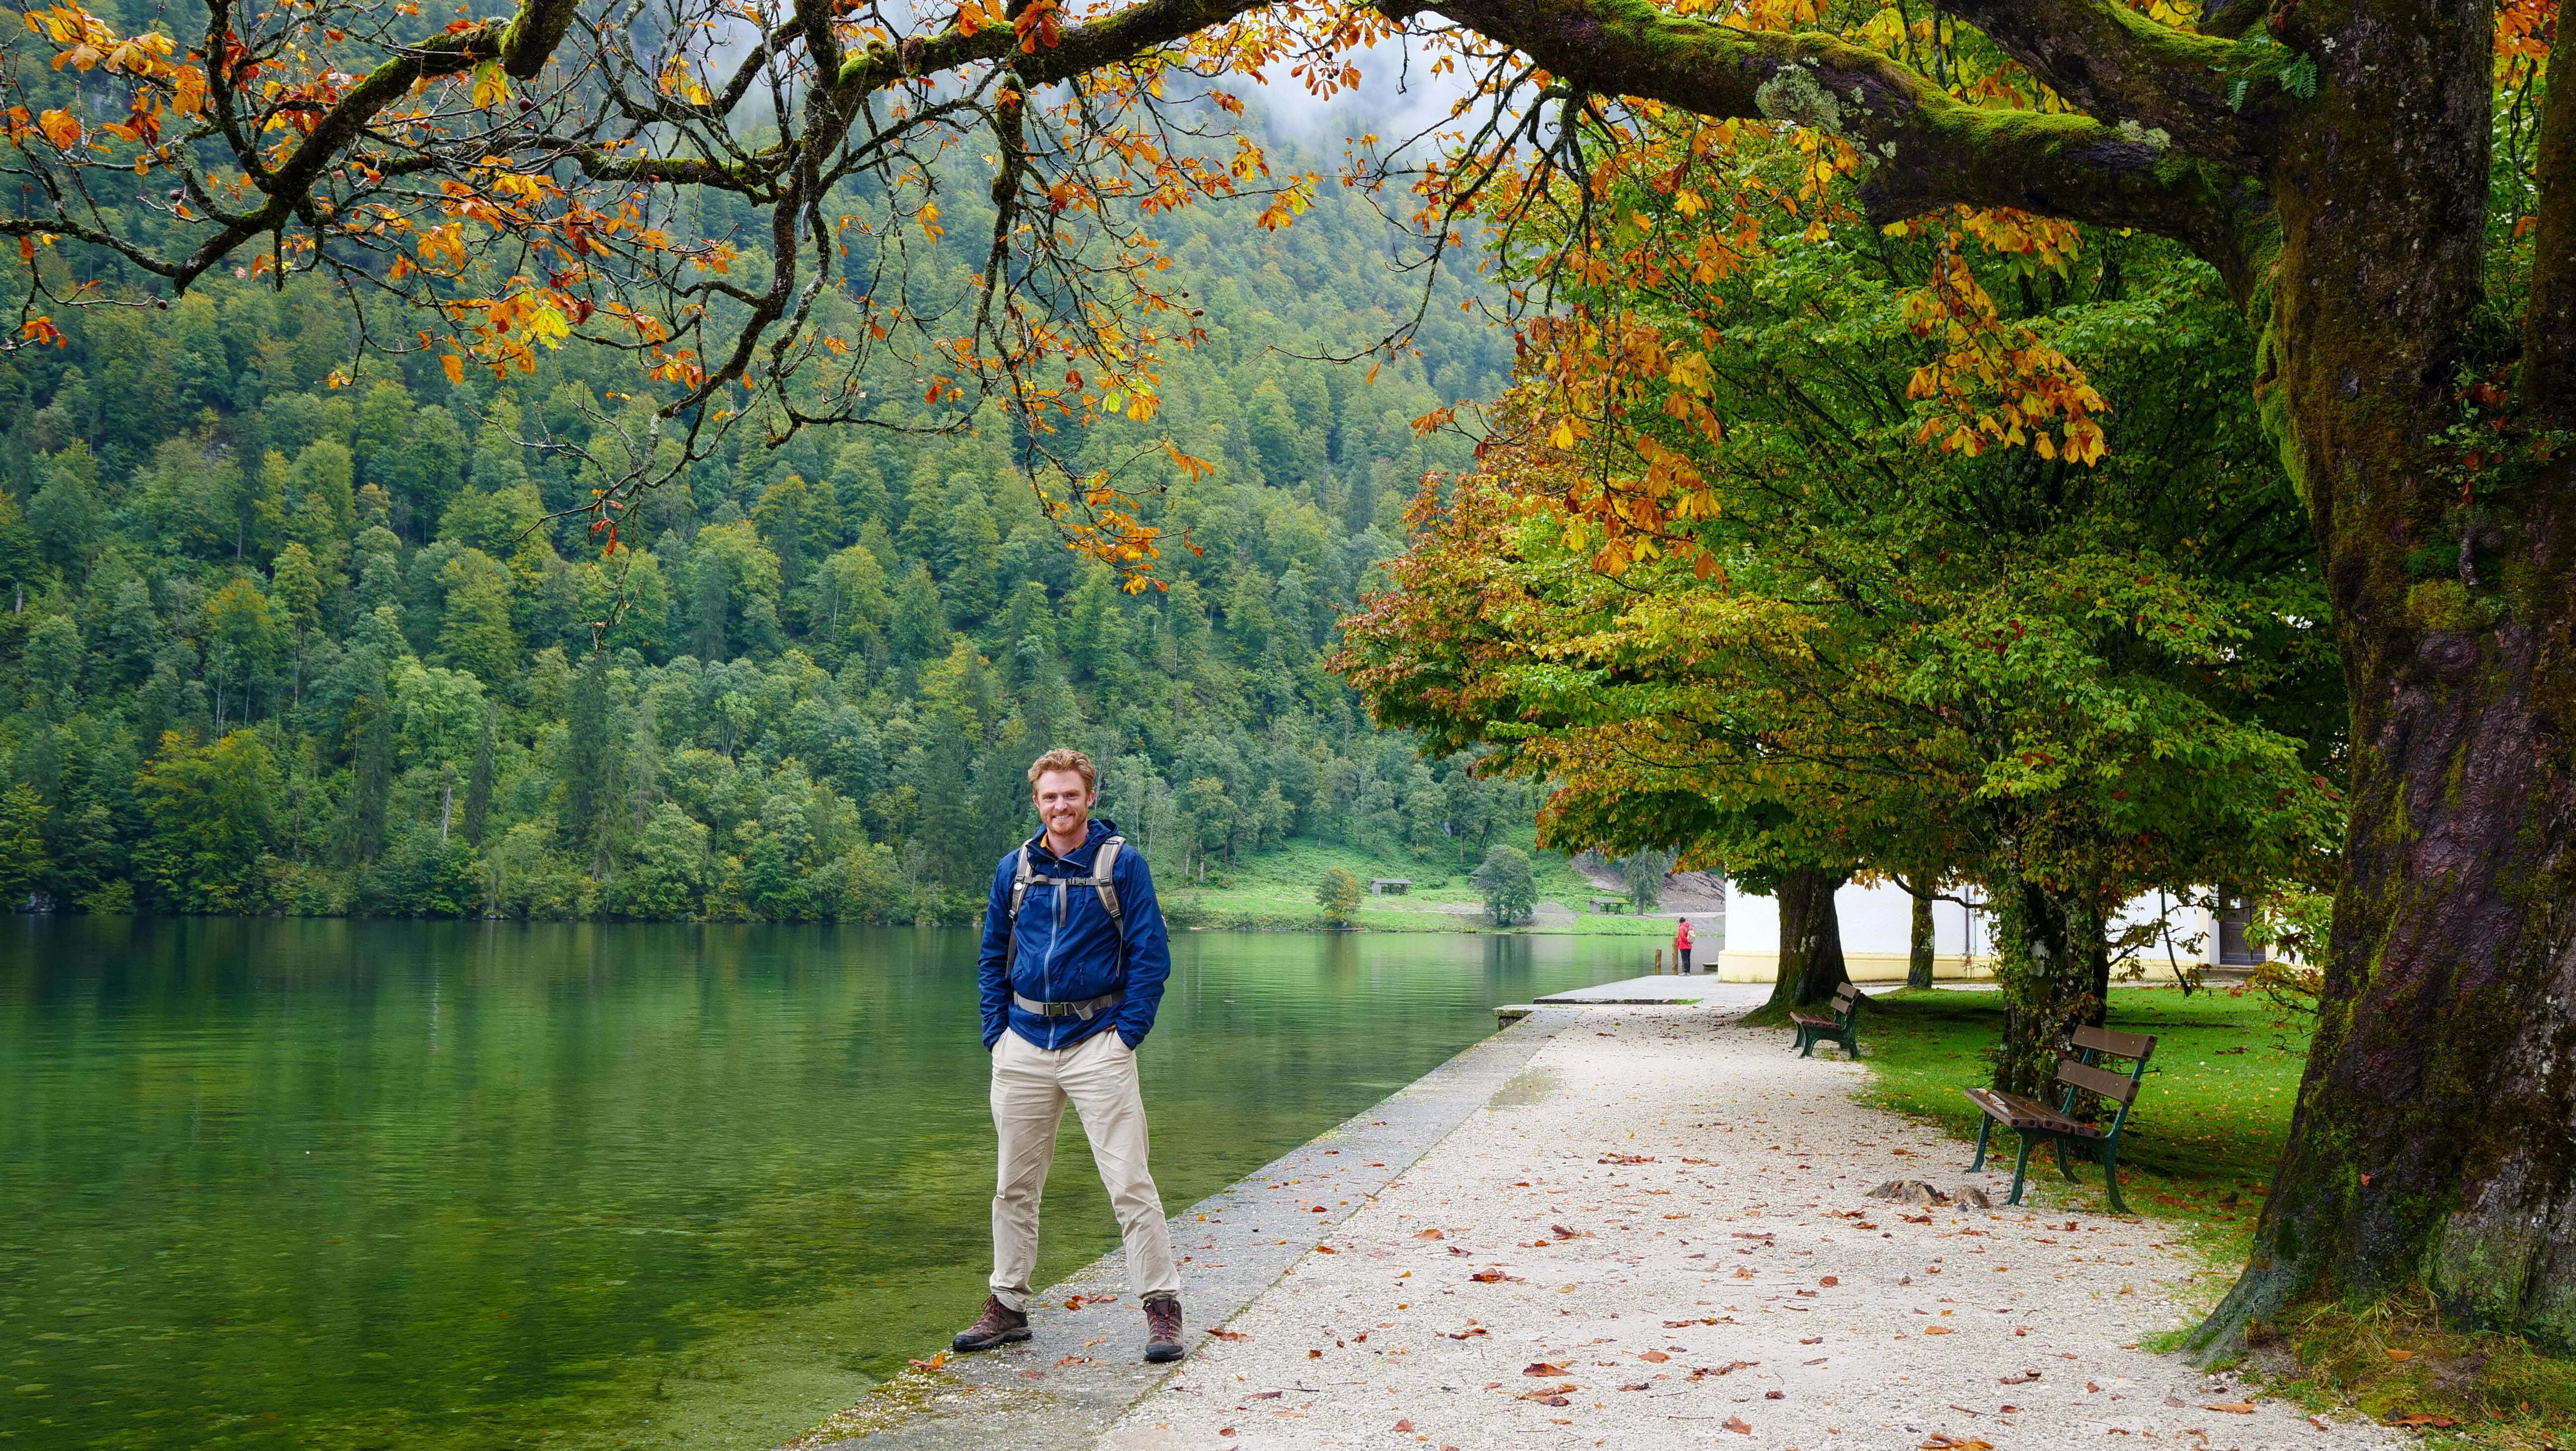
x: 1021, y: 874
x: 1103, y: 864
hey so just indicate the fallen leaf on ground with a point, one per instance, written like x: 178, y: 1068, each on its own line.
x: 2420, y: 1420
x: 1229, y: 1335
x: 1657, y: 1356
x: 933, y: 1363
x: 2233, y: 1408
x: 1541, y: 1367
x: 1493, y: 1277
x: 1404, y: 1425
x: 1943, y: 1441
x: 2401, y: 1355
x: 1938, y: 1330
x: 1472, y: 1330
x: 1431, y: 1234
x: 2026, y: 1377
x: 1737, y: 1425
x: 1811, y: 1340
x: 1549, y: 1395
x: 1830, y: 1280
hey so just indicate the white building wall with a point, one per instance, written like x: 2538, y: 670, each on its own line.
x: 1878, y: 933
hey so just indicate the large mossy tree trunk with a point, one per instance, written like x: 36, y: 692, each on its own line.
x: 2052, y: 963
x: 1811, y: 939
x: 2434, y: 1141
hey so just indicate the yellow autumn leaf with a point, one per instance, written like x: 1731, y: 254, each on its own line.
x: 548, y: 327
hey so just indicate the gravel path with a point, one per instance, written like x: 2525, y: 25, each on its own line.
x: 1656, y: 1235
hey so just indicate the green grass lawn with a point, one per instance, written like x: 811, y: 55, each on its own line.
x: 2199, y: 1152
x: 2209, y: 1119
x: 1276, y: 890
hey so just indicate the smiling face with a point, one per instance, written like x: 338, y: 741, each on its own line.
x: 1064, y: 804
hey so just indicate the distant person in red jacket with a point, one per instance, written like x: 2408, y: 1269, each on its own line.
x: 1682, y: 945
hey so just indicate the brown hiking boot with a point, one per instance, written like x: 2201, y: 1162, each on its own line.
x: 1162, y: 1328
x: 999, y: 1325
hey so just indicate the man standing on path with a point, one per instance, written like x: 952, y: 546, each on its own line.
x: 1072, y: 969
x: 1681, y: 946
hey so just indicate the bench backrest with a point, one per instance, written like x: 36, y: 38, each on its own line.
x: 2084, y: 1073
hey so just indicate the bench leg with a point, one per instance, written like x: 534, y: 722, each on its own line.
x: 2111, y: 1174
x: 1806, y: 1042
x: 2021, y: 1168
x: 1985, y: 1126
x: 2063, y: 1171
x: 1851, y: 1045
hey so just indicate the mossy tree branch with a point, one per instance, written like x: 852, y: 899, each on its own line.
x: 2117, y: 64
x: 1926, y: 148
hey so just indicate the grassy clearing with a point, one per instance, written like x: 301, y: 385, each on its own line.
x: 2198, y: 1152
x: 2209, y: 1120
x: 1275, y: 891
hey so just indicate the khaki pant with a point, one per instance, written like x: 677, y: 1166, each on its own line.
x: 1031, y: 1086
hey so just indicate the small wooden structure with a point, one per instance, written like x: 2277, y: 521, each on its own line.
x: 2035, y: 1121
x: 1611, y: 905
x: 1390, y: 886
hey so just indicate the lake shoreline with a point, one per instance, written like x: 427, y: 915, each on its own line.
x: 1082, y: 1366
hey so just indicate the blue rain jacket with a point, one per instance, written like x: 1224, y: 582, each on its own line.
x: 1068, y: 950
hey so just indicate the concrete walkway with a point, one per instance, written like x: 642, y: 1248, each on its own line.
x: 1656, y: 1234
x: 1080, y: 1369
x: 1701, y: 988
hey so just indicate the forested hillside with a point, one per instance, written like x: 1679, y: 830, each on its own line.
x: 275, y: 645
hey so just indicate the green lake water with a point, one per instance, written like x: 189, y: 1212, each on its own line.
x: 375, y: 1184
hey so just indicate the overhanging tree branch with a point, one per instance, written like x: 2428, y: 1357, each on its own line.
x: 2119, y: 65
x: 1925, y: 148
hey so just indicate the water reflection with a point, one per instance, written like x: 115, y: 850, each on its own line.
x: 474, y: 1185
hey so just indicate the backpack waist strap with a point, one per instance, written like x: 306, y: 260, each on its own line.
x: 1084, y: 1009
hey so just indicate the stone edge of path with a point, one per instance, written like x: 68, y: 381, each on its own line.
x: 1058, y: 1391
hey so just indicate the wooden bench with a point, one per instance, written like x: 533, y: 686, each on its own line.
x: 1843, y: 1027
x: 2081, y: 1073
x: 1611, y: 905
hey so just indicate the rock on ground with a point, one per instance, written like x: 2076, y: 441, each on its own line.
x: 1657, y: 1235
